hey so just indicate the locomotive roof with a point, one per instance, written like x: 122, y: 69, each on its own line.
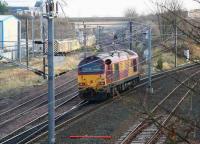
x: 117, y: 55
x: 110, y: 57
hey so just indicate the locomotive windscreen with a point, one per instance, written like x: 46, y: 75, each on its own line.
x: 91, y: 66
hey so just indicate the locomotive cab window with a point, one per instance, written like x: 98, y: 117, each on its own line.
x: 109, y: 68
x: 91, y: 67
x: 109, y: 73
x: 134, y: 65
x: 116, y: 71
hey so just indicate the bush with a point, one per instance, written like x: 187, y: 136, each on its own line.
x: 159, y: 63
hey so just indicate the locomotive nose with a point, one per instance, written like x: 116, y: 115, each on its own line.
x: 92, y: 81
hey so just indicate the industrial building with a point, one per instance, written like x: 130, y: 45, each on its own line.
x: 9, y: 35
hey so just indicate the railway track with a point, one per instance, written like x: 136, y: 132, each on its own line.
x: 33, y: 103
x: 24, y: 118
x: 36, y: 124
x: 149, y: 130
x: 14, y: 135
x: 162, y: 124
x: 66, y: 122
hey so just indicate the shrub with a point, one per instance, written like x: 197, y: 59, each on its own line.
x: 159, y: 63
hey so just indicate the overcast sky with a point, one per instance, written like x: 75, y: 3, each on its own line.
x: 83, y: 8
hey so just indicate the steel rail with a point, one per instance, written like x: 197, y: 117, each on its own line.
x: 76, y: 117
x: 164, y: 123
x: 146, y: 123
x: 40, y: 104
x: 144, y: 81
x: 20, y: 130
x: 31, y: 100
x: 30, y: 133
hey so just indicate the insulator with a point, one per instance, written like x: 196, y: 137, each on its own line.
x: 47, y: 7
x: 57, y: 7
x: 51, y: 7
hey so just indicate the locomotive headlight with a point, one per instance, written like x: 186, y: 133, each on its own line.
x: 102, y: 83
x: 81, y: 84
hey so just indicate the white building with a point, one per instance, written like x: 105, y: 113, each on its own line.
x: 9, y: 35
x: 194, y: 14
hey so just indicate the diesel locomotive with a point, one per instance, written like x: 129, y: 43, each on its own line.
x: 104, y: 74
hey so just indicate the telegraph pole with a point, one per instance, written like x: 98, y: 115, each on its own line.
x: 99, y: 36
x: 19, y: 41
x: 42, y: 37
x: 27, y: 49
x: 44, y: 53
x: 85, y: 39
x: 150, y: 89
x: 33, y: 32
x: 41, y: 21
x: 51, y: 79
x: 175, y: 43
x: 130, y: 33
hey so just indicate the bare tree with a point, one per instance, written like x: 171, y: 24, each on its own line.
x: 176, y: 16
x: 3, y: 7
x: 131, y: 13
x: 168, y: 12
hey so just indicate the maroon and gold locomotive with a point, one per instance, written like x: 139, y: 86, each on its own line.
x: 102, y: 75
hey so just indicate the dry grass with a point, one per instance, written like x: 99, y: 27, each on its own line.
x: 68, y: 63
x: 195, y: 51
x: 64, y: 64
x: 13, y: 80
x: 168, y: 59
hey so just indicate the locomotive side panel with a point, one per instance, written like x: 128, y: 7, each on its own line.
x: 123, y: 69
x: 109, y: 74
